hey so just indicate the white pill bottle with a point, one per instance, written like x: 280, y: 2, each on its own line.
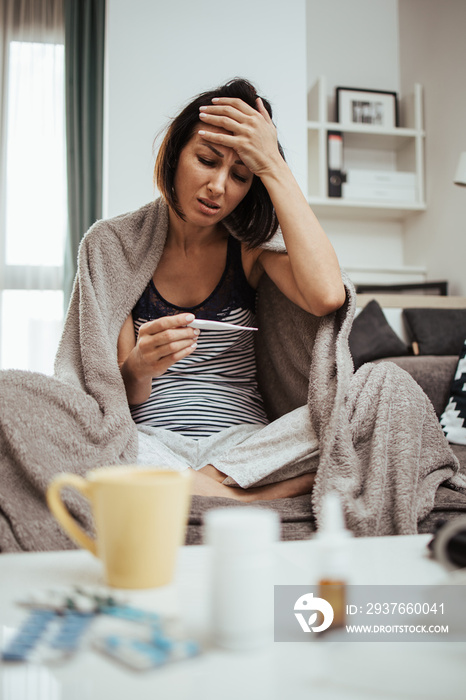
x: 242, y: 540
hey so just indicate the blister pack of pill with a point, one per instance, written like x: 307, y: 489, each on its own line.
x: 143, y: 654
x: 59, y: 619
x: 47, y: 635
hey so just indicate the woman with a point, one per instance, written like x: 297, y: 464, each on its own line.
x: 221, y: 167
x: 143, y: 276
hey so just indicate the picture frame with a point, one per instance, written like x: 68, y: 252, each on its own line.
x: 368, y: 107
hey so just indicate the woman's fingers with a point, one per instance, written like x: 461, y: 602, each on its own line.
x: 166, y: 337
x: 164, y: 341
x: 231, y: 111
x: 246, y: 131
x: 163, y: 362
x: 235, y: 102
x: 242, y: 106
x: 159, y: 365
x: 263, y: 111
x: 155, y: 353
x: 237, y: 110
x: 166, y: 323
x: 230, y: 118
x: 234, y: 115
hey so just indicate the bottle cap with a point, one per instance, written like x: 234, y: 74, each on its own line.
x: 332, y: 518
x: 241, y: 528
x: 333, y: 541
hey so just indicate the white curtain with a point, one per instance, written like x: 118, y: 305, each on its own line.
x: 33, y: 199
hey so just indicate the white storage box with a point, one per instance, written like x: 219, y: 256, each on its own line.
x: 378, y: 193
x: 387, y: 178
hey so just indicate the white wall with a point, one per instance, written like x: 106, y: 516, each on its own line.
x: 160, y: 53
x: 354, y: 43
x: 433, y: 52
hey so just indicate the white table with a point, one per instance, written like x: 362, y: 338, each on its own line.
x: 288, y: 670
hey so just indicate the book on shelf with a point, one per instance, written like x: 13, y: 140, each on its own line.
x: 335, y: 163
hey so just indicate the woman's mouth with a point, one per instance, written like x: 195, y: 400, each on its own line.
x: 208, y: 207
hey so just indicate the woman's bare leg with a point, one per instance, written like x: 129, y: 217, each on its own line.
x: 214, y: 473
x: 207, y: 482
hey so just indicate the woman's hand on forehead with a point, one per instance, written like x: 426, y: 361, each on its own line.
x: 252, y: 133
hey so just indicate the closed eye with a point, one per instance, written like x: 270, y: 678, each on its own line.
x: 212, y: 163
x: 206, y: 161
x: 240, y: 178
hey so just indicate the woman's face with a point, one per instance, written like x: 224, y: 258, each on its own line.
x: 210, y: 180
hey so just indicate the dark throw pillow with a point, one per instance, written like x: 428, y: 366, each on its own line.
x: 437, y: 331
x: 372, y: 337
x: 453, y: 419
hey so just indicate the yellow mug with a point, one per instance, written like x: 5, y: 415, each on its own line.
x: 140, y: 518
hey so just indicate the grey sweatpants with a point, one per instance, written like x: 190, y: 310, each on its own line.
x: 249, y: 454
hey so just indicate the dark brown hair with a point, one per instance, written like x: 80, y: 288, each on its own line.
x: 254, y: 219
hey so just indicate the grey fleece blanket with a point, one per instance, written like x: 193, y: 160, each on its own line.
x: 381, y: 446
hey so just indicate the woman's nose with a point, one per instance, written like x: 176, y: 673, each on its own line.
x: 217, y: 181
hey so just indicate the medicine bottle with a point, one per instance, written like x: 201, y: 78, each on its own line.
x: 334, y: 546
x: 242, y: 575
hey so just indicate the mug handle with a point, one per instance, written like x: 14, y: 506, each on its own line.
x: 62, y: 514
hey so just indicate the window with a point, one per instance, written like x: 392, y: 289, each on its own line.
x: 35, y: 209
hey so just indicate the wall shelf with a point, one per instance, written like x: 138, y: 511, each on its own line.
x: 366, y: 147
x: 376, y: 275
x: 339, y: 208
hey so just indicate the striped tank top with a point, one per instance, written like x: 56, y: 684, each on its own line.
x: 215, y: 387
